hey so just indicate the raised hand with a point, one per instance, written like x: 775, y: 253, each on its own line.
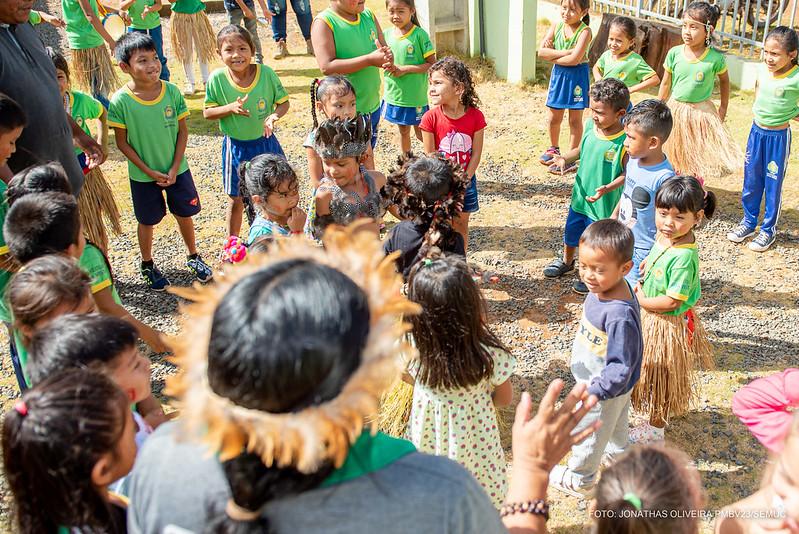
x: 237, y: 107
x: 296, y: 220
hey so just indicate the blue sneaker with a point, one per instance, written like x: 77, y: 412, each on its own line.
x: 550, y: 154
x: 201, y: 270
x: 155, y: 280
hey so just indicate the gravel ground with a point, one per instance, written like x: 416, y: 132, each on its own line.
x: 749, y: 301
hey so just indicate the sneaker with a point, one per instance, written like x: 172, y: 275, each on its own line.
x: 200, y: 269
x: 762, y: 242
x: 579, y: 287
x: 558, y: 268
x: 646, y: 433
x: 562, y: 479
x: 282, y: 49
x: 155, y: 280
x: 188, y: 89
x: 740, y: 233
x: 567, y: 169
x: 309, y: 47
x: 551, y: 153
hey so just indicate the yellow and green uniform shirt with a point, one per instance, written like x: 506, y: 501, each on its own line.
x: 81, y: 35
x: 631, y: 69
x: 413, y: 48
x: 356, y: 39
x: 265, y: 93
x: 601, y: 162
x: 692, y: 80
x: 94, y: 263
x: 5, y: 276
x: 150, y: 21
x: 188, y: 6
x: 152, y: 127
x: 83, y: 108
x: 561, y: 42
x: 777, y: 98
x: 674, y: 273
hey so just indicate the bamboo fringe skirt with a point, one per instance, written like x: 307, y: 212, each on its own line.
x: 97, y: 208
x: 195, y: 28
x: 93, y: 71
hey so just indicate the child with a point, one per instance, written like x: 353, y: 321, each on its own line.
x: 675, y: 342
x: 12, y: 122
x: 769, y: 144
x: 454, y: 127
x: 458, y: 379
x: 347, y: 191
x: 428, y: 192
x: 647, y: 127
x: 192, y: 36
x: 145, y: 17
x: 602, y: 161
x: 606, y: 353
x: 650, y: 489
x: 272, y: 186
x: 700, y: 145
x: 566, y: 46
x: 239, y: 11
x: 248, y: 100
x: 405, y: 98
x: 64, y: 443
x: 767, y: 406
x: 620, y: 61
x: 96, y: 199
x: 149, y: 120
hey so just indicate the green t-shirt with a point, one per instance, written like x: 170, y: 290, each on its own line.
x: 152, y: 127
x: 356, y: 39
x: 413, y: 48
x: 693, y: 80
x: 673, y: 272
x: 80, y: 32
x: 601, y: 162
x: 631, y: 69
x: 94, y: 263
x: 188, y: 6
x: 83, y: 108
x: 265, y: 92
x: 150, y: 21
x: 5, y: 276
x: 777, y: 98
x: 34, y: 17
x: 561, y: 42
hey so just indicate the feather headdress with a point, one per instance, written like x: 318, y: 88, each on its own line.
x: 343, y: 138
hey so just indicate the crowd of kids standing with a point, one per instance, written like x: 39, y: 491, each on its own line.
x: 300, y: 340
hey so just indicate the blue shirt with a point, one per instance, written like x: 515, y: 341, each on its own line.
x: 637, y: 204
x: 608, y: 347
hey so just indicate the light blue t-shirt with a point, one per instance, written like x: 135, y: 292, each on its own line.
x: 637, y: 204
x: 261, y: 226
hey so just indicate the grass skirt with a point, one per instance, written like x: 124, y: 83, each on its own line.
x: 668, y: 383
x: 93, y: 72
x: 395, y: 409
x: 95, y: 203
x: 183, y: 27
x: 700, y: 144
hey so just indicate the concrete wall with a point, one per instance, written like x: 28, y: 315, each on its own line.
x: 510, y: 36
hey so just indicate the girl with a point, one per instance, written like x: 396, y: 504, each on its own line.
x: 273, y: 189
x: 769, y: 144
x: 64, y: 442
x: 405, y: 99
x: 347, y: 191
x: 458, y: 378
x: 454, y: 128
x: 96, y: 200
x: 620, y: 61
x: 192, y: 36
x: 248, y: 99
x: 333, y: 97
x: 700, y: 144
x: 675, y: 342
x: 566, y: 46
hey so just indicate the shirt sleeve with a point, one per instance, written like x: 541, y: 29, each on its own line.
x: 425, y: 44
x: 624, y: 354
x: 680, y: 276
x: 504, y: 363
x: 428, y: 123
x: 766, y: 406
x: 643, y: 70
x: 212, y: 99
x: 671, y: 57
x: 95, y: 108
x: 478, y: 120
x: 280, y: 92
x: 93, y: 264
x: 116, y: 113
x: 180, y: 103
x: 600, y: 64
x: 720, y: 66
x: 34, y: 17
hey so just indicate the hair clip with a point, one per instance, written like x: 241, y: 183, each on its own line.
x: 21, y: 408
x: 633, y: 499
x: 427, y: 262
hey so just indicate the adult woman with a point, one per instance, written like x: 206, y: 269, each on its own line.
x: 302, y: 10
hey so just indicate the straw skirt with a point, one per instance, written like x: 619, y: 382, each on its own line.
x: 97, y: 208
x: 192, y: 32
x: 93, y: 72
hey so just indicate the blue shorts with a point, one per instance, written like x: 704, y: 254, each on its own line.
x: 402, y: 115
x: 470, y: 202
x: 148, y: 199
x: 576, y: 223
x: 236, y: 152
x: 568, y: 87
x: 374, y: 118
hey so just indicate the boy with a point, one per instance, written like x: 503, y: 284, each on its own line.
x: 648, y: 126
x: 239, y: 11
x: 144, y: 16
x: 148, y: 116
x: 602, y: 161
x: 606, y: 354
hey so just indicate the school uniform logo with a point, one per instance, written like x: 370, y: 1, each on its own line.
x: 578, y: 94
x: 779, y: 92
x: 700, y: 77
x: 372, y: 36
x: 169, y: 112
x: 610, y: 155
x: 622, y: 75
x: 772, y: 169
x: 410, y: 49
x: 79, y: 120
x: 261, y: 104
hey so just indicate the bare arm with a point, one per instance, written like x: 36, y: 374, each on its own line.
x: 429, y: 141
x: 652, y: 81
x: 180, y: 150
x: 660, y: 304
x: 399, y: 70
x: 96, y: 23
x: 314, y: 167
x: 665, y: 86
x: 477, y: 152
x: 576, y: 55
x: 121, y: 136
x: 724, y: 88
x: 102, y: 133
x: 325, y: 50
x: 248, y: 13
x: 503, y: 394
x: 107, y: 305
x: 598, y: 74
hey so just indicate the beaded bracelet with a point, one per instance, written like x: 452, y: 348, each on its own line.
x: 537, y: 507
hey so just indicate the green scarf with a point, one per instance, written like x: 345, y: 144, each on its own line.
x: 369, y: 454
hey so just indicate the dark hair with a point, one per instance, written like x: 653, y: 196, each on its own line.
x: 705, y: 13
x: 457, y: 72
x: 329, y: 85
x: 47, y: 178
x: 687, y: 195
x: 653, y: 479
x: 611, y: 91
x: 268, y: 367
x: 234, y: 30
x: 59, y: 61
x: 411, y: 4
x: 263, y: 175
x: 611, y: 237
x: 583, y: 4
x: 43, y: 285
x: 12, y: 116
x: 90, y: 341
x: 652, y: 117
x: 130, y: 43
x: 627, y: 25
x: 40, y: 224
x: 451, y: 333
x: 787, y: 38
x: 68, y: 423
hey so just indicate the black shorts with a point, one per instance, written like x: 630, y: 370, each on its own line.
x: 148, y: 199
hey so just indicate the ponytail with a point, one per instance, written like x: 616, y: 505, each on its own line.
x: 710, y: 204
x: 314, y: 85
x: 586, y: 19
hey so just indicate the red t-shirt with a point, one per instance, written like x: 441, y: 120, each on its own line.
x: 454, y: 136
